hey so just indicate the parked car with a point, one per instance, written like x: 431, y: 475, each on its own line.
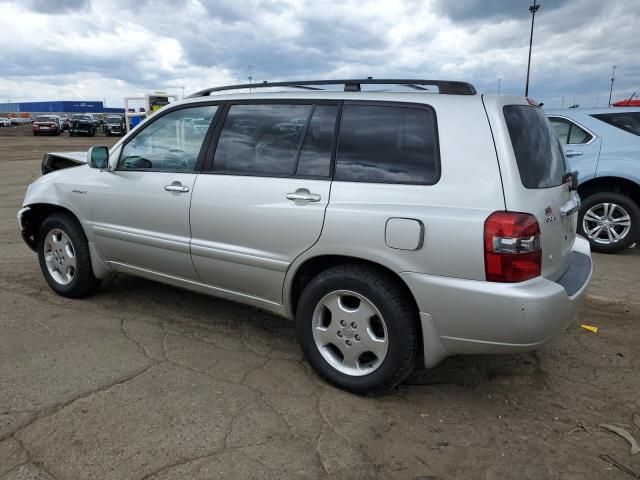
x: 82, y: 124
x: 46, y: 125
x: 384, y: 236
x: 5, y: 122
x: 114, y: 125
x: 603, y: 145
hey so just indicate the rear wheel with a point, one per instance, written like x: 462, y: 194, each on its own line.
x: 63, y: 252
x: 358, y: 328
x: 609, y: 220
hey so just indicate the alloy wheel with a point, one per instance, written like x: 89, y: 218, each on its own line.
x: 350, y: 333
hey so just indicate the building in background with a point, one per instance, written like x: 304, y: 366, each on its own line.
x: 58, y: 107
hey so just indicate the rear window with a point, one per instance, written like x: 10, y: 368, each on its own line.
x: 388, y: 144
x: 627, y: 121
x: 536, y: 147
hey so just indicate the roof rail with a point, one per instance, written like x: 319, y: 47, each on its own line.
x: 444, y: 86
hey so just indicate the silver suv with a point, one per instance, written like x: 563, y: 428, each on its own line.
x: 396, y: 228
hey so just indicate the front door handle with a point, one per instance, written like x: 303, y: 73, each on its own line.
x: 302, y: 195
x: 176, y: 187
x: 573, y: 153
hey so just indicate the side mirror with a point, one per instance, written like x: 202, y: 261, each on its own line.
x: 98, y: 157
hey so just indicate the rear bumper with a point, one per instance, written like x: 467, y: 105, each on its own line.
x: 473, y: 317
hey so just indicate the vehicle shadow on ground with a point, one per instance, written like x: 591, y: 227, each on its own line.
x: 179, y: 308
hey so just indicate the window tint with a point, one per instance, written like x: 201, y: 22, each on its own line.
x: 537, y: 150
x: 387, y: 144
x: 261, y: 139
x: 569, y: 132
x: 170, y: 143
x: 627, y: 121
x: 315, y: 157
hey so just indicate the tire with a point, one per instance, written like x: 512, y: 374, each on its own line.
x: 70, y: 133
x: 82, y: 281
x: 35, y: 134
x: 619, y: 207
x: 399, y: 326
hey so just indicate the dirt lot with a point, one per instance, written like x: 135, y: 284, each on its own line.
x: 144, y: 380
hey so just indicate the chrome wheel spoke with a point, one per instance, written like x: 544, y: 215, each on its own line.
x: 350, y: 359
x: 374, y: 344
x: 623, y: 221
x: 324, y: 335
x: 591, y: 217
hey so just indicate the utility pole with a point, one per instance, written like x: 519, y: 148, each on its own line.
x: 499, y: 83
x: 533, y: 9
x: 613, y: 78
x: 250, y: 68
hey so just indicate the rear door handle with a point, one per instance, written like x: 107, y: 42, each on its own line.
x: 176, y: 187
x: 573, y: 153
x: 303, y: 195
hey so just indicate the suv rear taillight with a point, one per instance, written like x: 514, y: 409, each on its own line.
x: 512, y: 250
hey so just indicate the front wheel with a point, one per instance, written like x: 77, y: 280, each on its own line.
x: 358, y: 329
x: 63, y: 252
x: 609, y: 220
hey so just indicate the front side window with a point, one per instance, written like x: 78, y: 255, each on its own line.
x: 170, y: 143
x: 627, y: 121
x: 387, y: 144
x: 568, y: 132
x: 261, y: 139
x: 536, y: 147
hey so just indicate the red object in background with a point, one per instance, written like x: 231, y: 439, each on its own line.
x: 627, y: 103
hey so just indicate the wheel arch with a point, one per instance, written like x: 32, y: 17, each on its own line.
x: 299, y: 276
x: 32, y: 219
x: 621, y: 185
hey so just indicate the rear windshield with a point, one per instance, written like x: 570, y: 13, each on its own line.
x: 536, y: 146
x: 627, y: 121
x: 44, y: 118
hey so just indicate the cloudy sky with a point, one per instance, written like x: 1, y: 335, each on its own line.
x: 107, y: 49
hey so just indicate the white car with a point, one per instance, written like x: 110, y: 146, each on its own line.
x: 5, y: 122
x: 393, y: 227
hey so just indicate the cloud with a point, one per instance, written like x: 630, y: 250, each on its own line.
x: 113, y: 48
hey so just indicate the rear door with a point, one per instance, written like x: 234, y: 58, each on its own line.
x: 533, y: 167
x: 263, y: 201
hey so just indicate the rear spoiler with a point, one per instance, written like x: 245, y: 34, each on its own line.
x: 60, y: 160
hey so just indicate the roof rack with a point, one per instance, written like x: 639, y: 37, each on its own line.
x: 444, y: 86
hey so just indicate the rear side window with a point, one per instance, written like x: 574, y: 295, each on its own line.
x: 388, y: 144
x: 627, y: 121
x: 536, y: 147
x: 261, y: 139
x: 568, y: 132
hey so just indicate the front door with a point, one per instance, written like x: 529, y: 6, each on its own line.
x: 264, y: 201
x: 141, y: 209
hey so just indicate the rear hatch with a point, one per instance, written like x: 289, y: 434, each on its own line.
x: 533, y: 170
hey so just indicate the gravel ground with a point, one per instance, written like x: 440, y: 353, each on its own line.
x: 144, y: 380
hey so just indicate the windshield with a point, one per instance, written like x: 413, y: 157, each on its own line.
x: 536, y: 147
x: 114, y: 120
x: 81, y: 117
x: 627, y: 121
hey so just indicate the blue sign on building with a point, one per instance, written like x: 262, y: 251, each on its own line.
x: 64, y: 106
